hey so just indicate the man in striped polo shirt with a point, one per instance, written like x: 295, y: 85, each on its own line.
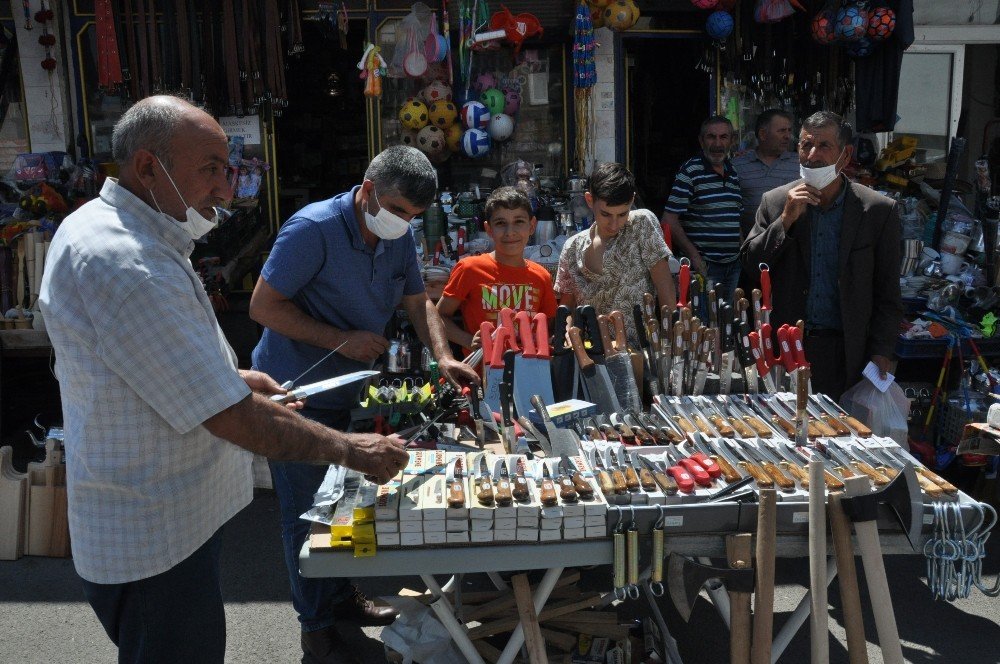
x: 705, y: 206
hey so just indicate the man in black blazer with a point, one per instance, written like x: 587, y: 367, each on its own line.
x: 833, y: 250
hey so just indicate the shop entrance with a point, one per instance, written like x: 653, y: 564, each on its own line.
x: 667, y: 99
x: 322, y: 135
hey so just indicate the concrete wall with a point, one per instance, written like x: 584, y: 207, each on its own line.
x: 44, y: 92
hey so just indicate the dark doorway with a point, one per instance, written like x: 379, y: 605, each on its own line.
x: 322, y: 135
x: 667, y: 99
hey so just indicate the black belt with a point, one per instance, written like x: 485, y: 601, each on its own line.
x: 823, y: 332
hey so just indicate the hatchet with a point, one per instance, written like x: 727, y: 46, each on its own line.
x: 686, y: 577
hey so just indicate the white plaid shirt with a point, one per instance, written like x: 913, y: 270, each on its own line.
x: 141, y: 363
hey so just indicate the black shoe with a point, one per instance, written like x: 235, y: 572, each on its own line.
x: 325, y: 646
x: 359, y: 609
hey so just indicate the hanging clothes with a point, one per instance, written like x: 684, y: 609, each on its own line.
x: 876, y: 77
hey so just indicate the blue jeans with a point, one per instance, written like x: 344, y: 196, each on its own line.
x: 727, y: 274
x: 295, y: 484
x: 175, y: 616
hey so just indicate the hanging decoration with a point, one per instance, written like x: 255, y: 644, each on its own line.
x: 881, y: 23
x: 109, y: 66
x: 773, y: 11
x: 373, y: 68
x: 26, y: 6
x: 719, y: 26
x: 46, y: 39
x: 852, y: 22
x: 584, y: 80
x: 823, y: 27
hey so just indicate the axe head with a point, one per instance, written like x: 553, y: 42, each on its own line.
x: 901, y: 496
x: 686, y: 577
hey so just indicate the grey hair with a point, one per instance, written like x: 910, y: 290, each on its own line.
x: 820, y: 119
x: 149, y: 124
x: 404, y: 171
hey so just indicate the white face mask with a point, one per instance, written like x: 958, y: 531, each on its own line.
x: 821, y: 176
x: 196, y: 225
x: 385, y: 224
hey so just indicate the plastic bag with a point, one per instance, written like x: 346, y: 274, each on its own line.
x: 418, y: 635
x: 772, y: 11
x: 408, y: 59
x: 884, y: 412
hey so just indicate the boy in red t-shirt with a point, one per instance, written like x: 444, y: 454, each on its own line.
x: 480, y: 286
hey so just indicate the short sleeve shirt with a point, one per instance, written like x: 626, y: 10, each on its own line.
x: 628, y: 259
x: 141, y: 363
x: 321, y: 262
x: 758, y: 178
x: 709, y: 207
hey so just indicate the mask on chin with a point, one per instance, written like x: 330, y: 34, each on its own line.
x: 196, y: 225
x: 821, y: 176
x: 385, y: 224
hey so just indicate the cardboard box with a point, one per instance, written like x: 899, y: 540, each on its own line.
x: 456, y: 525
x: 386, y: 527
x: 480, y: 536
x: 433, y: 526
x: 411, y: 526
x: 479, y: 525
x: 573, y: 522
x: 527, y: 534
x: 574, y: 533
x: 458, y: 538
x: 411, y: 539
x: 504, y: 524
x: 592, y: 532
x: 552, y: 524
x: 435, y: 538
x: 387, y: 501
x: 504, y: 535
x: 388, y: 539
x: 550, y: 535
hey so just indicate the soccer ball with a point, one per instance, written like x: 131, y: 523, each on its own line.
x: 475, y: 143
x: 881, y: 23
x: 719, y: 25
x: 413, y: 114
x: 705, y: 4
x: 512, y: 102
x: 436, y: 91
x: 493, y: 100
x: 443, y: 113
x: 432, y: 140
x: 408, y: 137
x: 822, y: 27
x: 621, y: 15
x: 475, y: 115
x: 852, y: 22
x: 453, y: 137
x: 501, y: 127
x: 860, y: 48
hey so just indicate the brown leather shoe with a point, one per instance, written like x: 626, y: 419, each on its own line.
x: 325, y: 646
x: 359, y: 609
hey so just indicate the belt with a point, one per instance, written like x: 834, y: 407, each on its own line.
x: 823, y: 332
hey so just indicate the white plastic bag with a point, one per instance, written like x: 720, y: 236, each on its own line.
x: 884, y: 412
x: 418, y: 635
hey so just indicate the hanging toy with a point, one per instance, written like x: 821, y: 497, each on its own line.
x: 413, y: 114
x: 584, y: 79
x: 514, y: 29
x: 475, y: 115
x: 435, y: 91
x: 881, y: 23
x: 512, y: 102
x: 823, y: 27
x: 621, y: 15
x: 443, y: 113
x: 852, y: 22
x: 719, y: 25
x: 494, y: 100
x: 485, y: 81
x: 705, y: 4
x: 475, y: 143
x: 501, y: 127
x: 373, y: 67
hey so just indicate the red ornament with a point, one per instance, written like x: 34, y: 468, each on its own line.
x: 822, y: 27
x: 47, y: 40
x: 881, y: 23
x: 49, y: 64
x: 44, y: 15
x: 705, y: 4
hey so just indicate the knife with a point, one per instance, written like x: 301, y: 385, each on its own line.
x: 666, y: 355
x: 692, y: 466
x: 930, y: 487
x: 831, y: 424
x: 547, y: 489
x: 728, y: 347
x: 838, y: 455
x: 682, y: 478
x: 287, y: 385
x: 791, y: 466
x: 758, y: 425
x: 604, y: 480
x: 831, y: 407
x: 631, y: 477
x: 784, y: 482
x: 456, y: 485
x: 778, y: 417
x: 584, y: 488
x: 763, y: 480
x: 567, y: 488
x: 484, y: 493
x: 300, y: 393
x: 518, y: 489
x: 666, y: 483
x: 729, y: 472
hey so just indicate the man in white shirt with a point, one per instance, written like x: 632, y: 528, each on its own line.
x: 159, y: 422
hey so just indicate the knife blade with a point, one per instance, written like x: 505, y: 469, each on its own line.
x: 300, y: 393
x: 831, y: 407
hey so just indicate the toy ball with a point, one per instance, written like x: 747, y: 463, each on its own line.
x: 493, y: 100
x: 705, y: 4
x: 484, y: 82
x: 501, y: 127
x: 413, y: 114
x: 597, y: 16
x: 621, y: 15
x: 860, y: 48
x: 475, y: 115
x: 435, y: 91
x: 881, y: 23
x: 408, y: 137
x: 719, y: 25
x: 852, y: 22
x: 443, y: 113
x: 431, y: 140
x: 475, y: 143
x: 822, y: 27
x: 453, y: 137
x: 512, y: 102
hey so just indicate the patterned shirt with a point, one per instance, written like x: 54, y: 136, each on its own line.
x: 628, y: 258
x: 823, y: 306
x: 709, y: 206
x: 756, y: 178
x: 141, y: 363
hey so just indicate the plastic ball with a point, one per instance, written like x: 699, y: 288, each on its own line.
x: 860, y: 48
x: 705, y: 4
x: 443, y: 113
x: 597, y: 17
x: 453, y: 137
x: 475, y: 115
x: 413, y: 114
x: 512, y: 102
x: 501, y: 127
x: 851, y: 23
x: 493, y: 100
x: 620, y: 15
x: 881, y: 23
x: 408, y: 137
x: 822, y: 27
x: 484, y: 82
x: 719, y: 25
x: 475, y: 143
x: 435, y: 91
x: 432, y: 140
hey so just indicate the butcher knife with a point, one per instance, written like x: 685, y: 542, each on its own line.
x: 531, y: 368
x: 562, y: 442
x: 598, y: 386
x: 619, y: 366
x: 322, y: 386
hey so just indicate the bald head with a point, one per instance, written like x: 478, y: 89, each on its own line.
x: 153, y: 123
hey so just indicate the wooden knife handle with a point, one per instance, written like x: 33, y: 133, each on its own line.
x: 833, y: 483
x: 824, y: 429
x: 485, y: 493
x: 646, y: 480
x: 729, y: 473
x: 579, y: 351
x: 684, y: 423
x: 812, y: 430
x: 784, y: 482
x: 845, y: 471
x: 725, y: 430
x: 567, y: 490
x: 835, y: 424
x: 741, y: 428
x: 878, y: 478
x: 603, y: 324
x: 763, y: 479
x: 858, y: 427
x: 617, y: 319
x: 759, y: 427
x: 667, y: 483
x: 456, y: 493
x: 785, y: 425
x: 504, y: 495
x: 945, y: 485
x: 631, y: 479
x: 930, y: 488
x: 672, y: 435
x: 610, y: 432
x: 582, y: 486
x: 702, y: 425
x: 604, y: 481
x: 618, y: 481
x: 643, y: 436
x: 798, y: 472
x: 627, y: 436
x: 547, y: 493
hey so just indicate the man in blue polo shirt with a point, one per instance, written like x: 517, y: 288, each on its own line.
x: 770, y: 165
x: 705, y: 205
x: 338, y: 270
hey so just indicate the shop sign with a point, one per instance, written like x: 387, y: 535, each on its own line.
x: 247, y: 126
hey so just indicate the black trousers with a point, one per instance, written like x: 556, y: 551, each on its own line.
x: 826, y: 356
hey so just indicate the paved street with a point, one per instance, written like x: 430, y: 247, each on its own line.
x: 44, y: 618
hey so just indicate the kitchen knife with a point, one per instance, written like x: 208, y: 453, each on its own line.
x: 300, y: 393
